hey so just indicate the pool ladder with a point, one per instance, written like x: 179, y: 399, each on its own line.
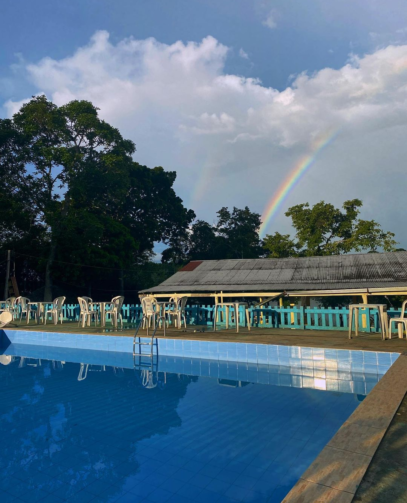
x: 153, y: 342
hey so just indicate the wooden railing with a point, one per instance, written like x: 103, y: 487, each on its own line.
x: 306, y: 318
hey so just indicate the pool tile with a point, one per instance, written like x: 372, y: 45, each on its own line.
x: 227, y: 476
x: 184, y: 475
x: 218, y: 486
x: 206, y: 496
x: 160, y: 495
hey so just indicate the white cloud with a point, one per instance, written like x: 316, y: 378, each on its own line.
x: 233, y: 140
x: 211, y: 124
x: 243, y: 54
x: 270, y: 20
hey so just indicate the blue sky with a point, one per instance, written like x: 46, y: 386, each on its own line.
x: 309, y: 35
x: 232, y: 93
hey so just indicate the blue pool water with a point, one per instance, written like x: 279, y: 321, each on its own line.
x: 88, y: 426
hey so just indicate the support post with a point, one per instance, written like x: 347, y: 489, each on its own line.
x: 364, y: 316
x: 121, y: 282
x: 292, y: 315
x: 7, y: 274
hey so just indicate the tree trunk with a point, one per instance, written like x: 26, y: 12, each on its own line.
x: 121, y: 282
x: 48, y: 279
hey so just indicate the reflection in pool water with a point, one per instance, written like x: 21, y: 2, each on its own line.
x: 95, y: 432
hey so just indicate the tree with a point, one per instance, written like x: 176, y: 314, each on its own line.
x: 54, y: 147
x: 240, y: 231
x: 72, y: 184
x: 235, y: 235
x: 280, y: 246
x: 203, y: 243
x: 200, y: 243
x: 326, y: 230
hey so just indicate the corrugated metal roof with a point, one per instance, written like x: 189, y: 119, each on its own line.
x: 371, y: 270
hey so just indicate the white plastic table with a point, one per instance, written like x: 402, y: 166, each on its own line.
x: 39, y: 312
x: 354, y: 310
x: 235, y: 306
x: 161, y: 311
x: 102, y: 310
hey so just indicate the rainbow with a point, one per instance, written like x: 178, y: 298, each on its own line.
x: 272, y: 207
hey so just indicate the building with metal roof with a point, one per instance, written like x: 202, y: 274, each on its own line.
x: 358, y: 274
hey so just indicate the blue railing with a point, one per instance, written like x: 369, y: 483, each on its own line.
x: 308, y: 318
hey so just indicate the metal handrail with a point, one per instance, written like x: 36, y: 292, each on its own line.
x: 151, y: 343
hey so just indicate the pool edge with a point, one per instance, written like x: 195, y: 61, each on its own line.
x: 337, y: 472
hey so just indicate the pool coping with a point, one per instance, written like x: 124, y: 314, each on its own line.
x: 337, y: 472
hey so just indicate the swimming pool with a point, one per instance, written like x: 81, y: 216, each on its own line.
x: 82, y: 425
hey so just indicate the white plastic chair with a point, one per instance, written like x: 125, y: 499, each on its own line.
x: 85, y: 314
x: 6, y: 359
x: 92, y: 307
x: 83, y: 371
x: 88, y: 300
x: 178, y: 313
x: 5, y: 318
x: 149, y: 307
x: 11, y: 306
x: 86, y: 367
x: 23, y: 304
x: 115, y: 310
x: 55, y: 311
x: 402, y: 320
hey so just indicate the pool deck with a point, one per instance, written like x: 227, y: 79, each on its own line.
x: 385, y: 479
x: 366, y: 461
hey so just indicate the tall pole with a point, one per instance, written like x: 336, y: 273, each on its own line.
x: 7, y: 274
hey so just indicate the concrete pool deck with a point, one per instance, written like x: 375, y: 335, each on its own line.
x: 385, y: 479
x: 354, y: 465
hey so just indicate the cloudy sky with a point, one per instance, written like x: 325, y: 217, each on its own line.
x: 232, y: 94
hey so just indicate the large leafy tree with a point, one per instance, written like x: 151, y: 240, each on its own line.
x: 204, y: 244
x: 57, y: 150
x: 325, y: 230
x: 234, y: 235
x: 72, y: 185
x: 240, y: 230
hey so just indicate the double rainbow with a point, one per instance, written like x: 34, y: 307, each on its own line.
x: 278, y: 198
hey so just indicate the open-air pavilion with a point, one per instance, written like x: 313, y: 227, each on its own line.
x: 341, y: 275
x: 227, y: 282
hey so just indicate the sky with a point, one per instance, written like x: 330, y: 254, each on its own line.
x: 233, y: 95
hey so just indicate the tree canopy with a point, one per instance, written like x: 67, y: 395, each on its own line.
x: 72, y: 194
x: 325, y: 230
x: 234, y: 235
